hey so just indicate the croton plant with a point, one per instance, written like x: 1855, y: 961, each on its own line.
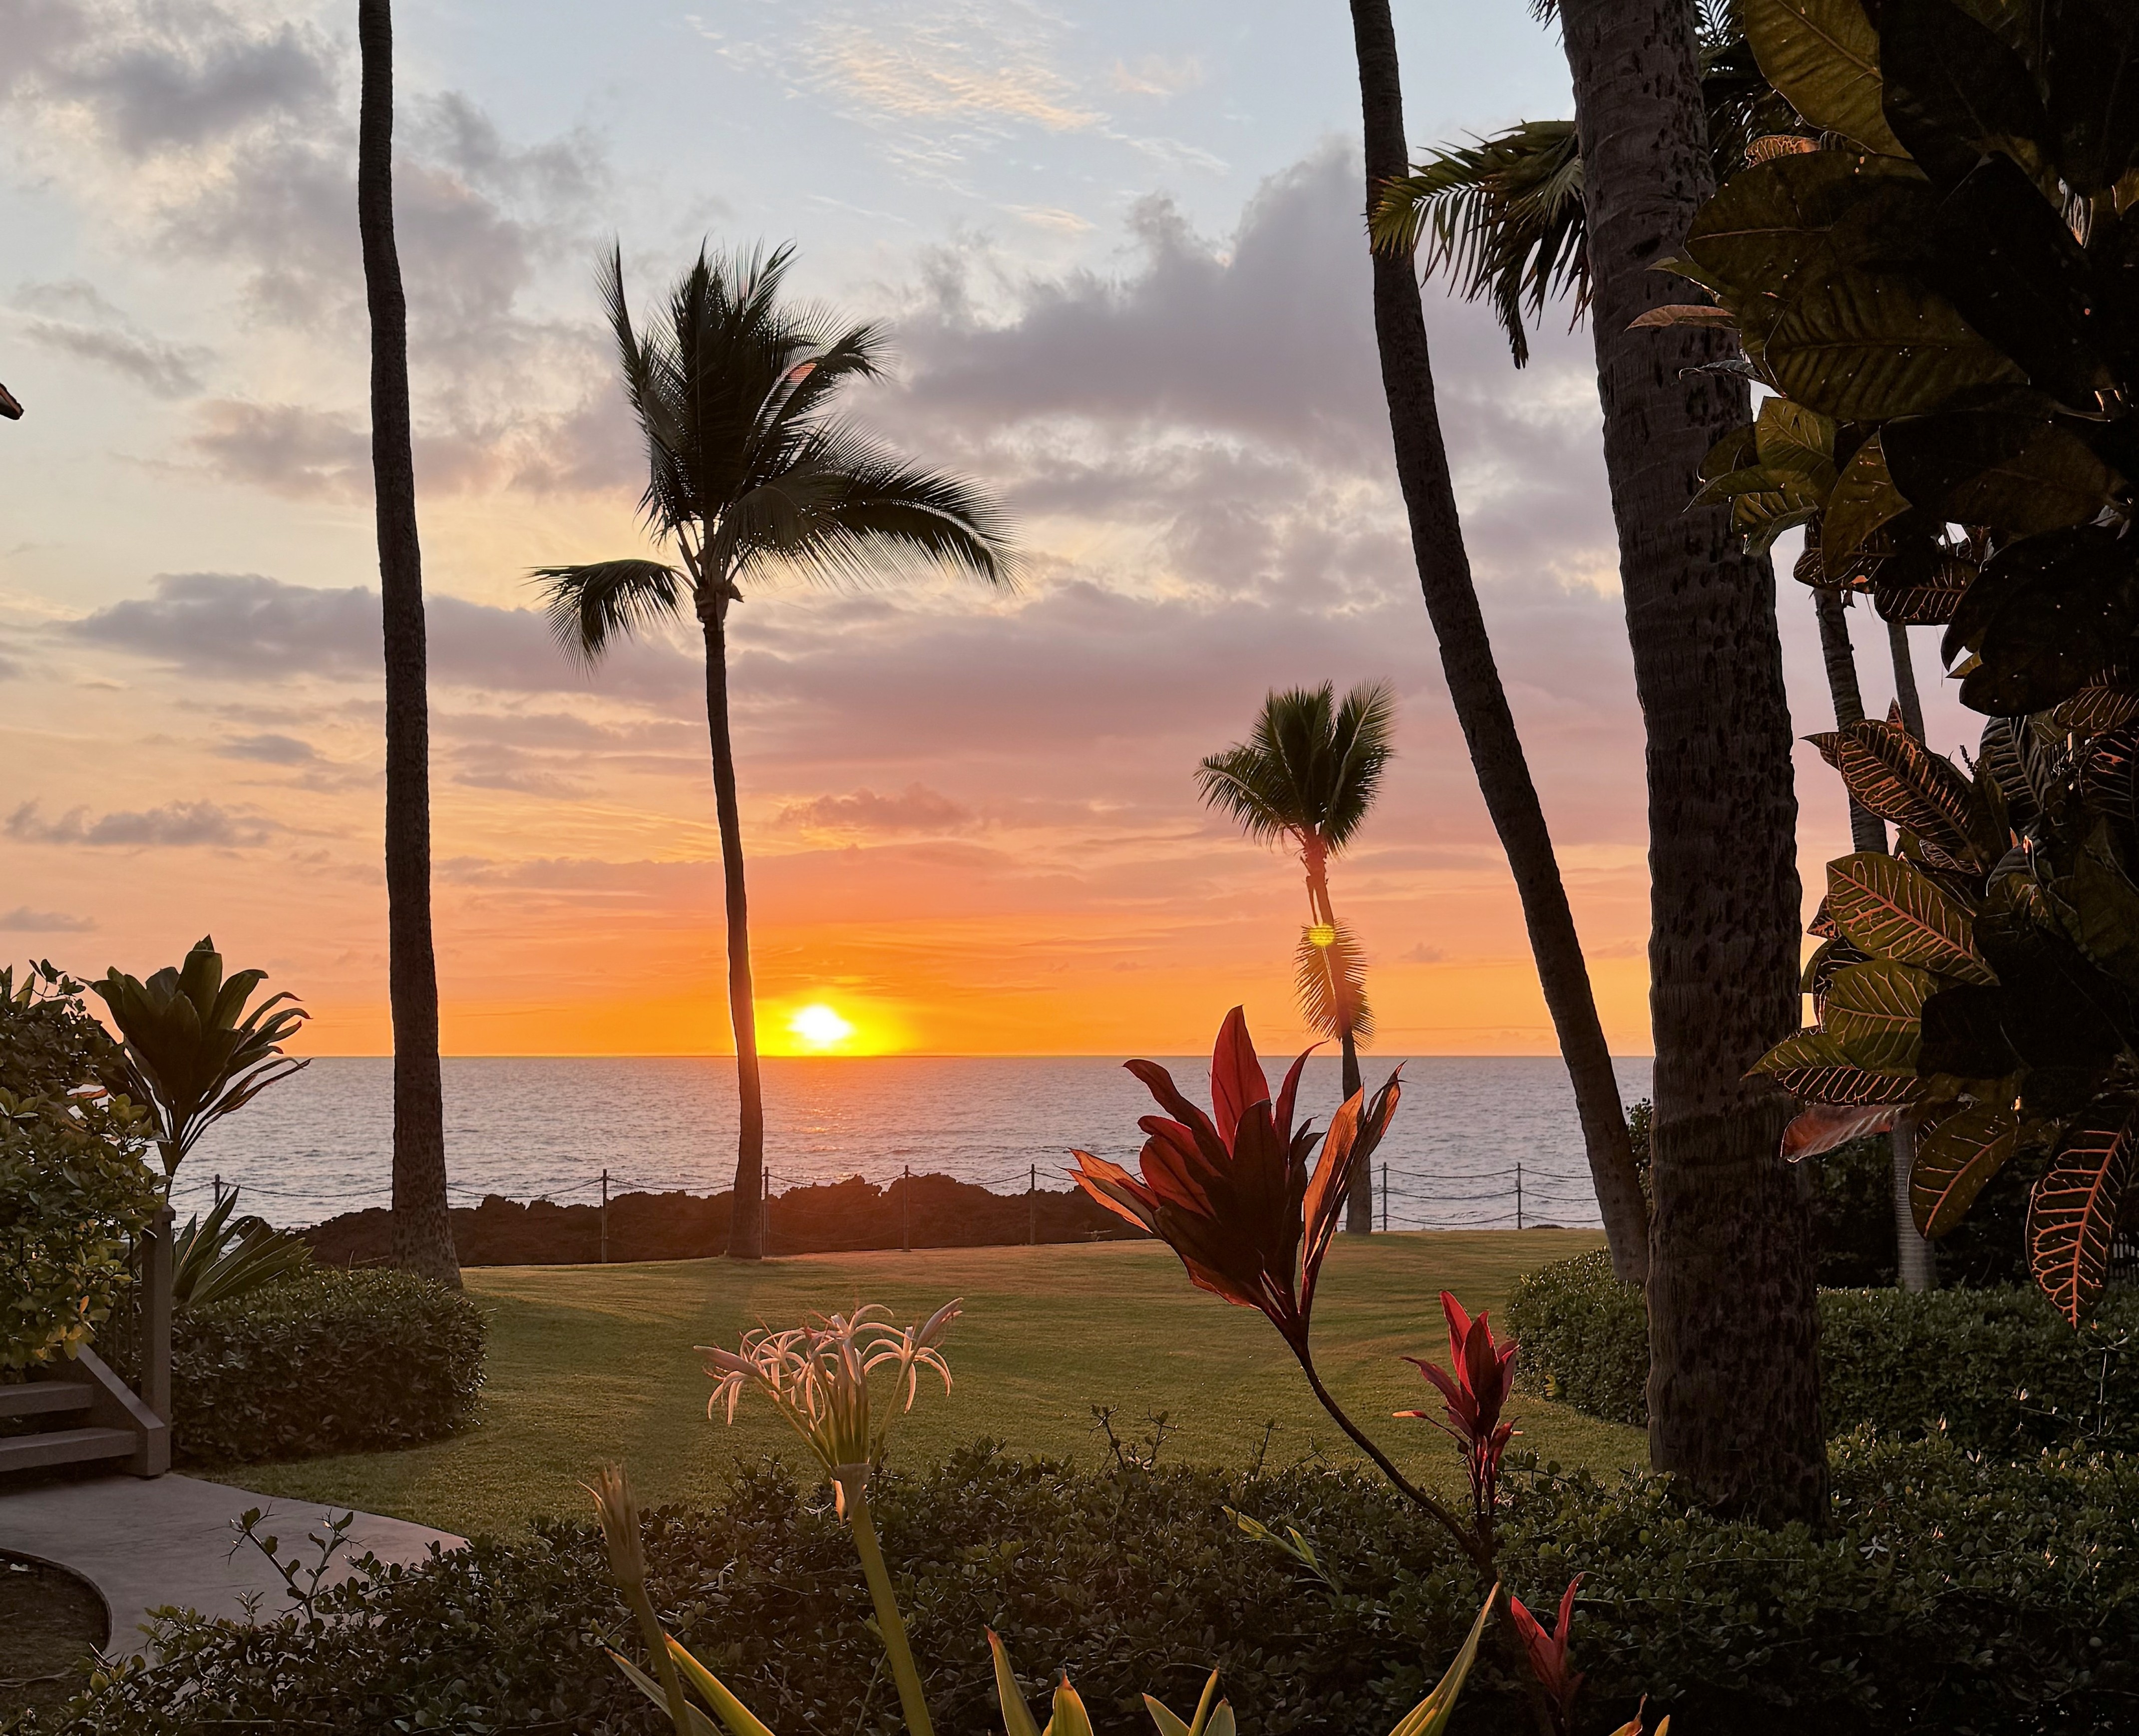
x: 1937, y: 277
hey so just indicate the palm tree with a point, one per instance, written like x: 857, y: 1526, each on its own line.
x: 1734, y: 1384
x: 423, y: 1232
x: 1306, y: 776
x: 1474, y: 680
x: 749, y: 475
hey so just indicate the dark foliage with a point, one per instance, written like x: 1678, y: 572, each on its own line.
x: 329, y: 1362
x: 1951, y: 1594
x: 936, y: 1211
x: 1994, y: 1369
x: 49, y: 1042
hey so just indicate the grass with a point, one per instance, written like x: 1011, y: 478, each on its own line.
x: 588, y: 1363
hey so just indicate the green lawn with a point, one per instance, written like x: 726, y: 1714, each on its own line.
x: 595, y: 1362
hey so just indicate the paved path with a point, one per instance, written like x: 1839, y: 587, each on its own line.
x: 147, y: 1541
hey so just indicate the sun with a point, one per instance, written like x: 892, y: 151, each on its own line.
x: 819, y: 1027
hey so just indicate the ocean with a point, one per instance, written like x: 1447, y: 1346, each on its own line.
x: 320, y: 1143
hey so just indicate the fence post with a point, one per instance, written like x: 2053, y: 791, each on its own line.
x: 765, y: 1211
x: 1518, y: 1196
x: 1032, y: 1208
x: 605, y: 1218
x: 156, y: 1315
x: 906, y: 1212
x: 1385, y: 1199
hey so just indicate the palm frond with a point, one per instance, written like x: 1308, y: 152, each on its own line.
x: 1331, y: 984
x: 1241, y: 784
x: 588, y: 606
x: 846, y: 510
x: 1311, y: 765
x: 1501, y: 217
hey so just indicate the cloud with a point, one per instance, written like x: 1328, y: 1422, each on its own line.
x: 915, y: 809
x: 23, y: 919
x: 75, y: 318
x: 1154, y: 74
x: 269, y: 749
x: 285, y: 448
x: 177, y: 824
x: 1421, y: 954
x: 253, y: 627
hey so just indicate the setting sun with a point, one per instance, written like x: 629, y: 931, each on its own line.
x: 819, y: 1027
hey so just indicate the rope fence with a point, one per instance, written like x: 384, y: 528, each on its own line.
x: 1517, y: 1198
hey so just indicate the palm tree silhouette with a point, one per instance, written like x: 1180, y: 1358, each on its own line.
x: 749, y: 475
x: 1306, y: 776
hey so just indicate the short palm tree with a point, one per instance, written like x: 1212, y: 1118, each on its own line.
x: 1306, y: 776
x: 750, y: 476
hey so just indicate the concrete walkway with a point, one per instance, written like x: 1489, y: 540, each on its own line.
x: 144, y: 1541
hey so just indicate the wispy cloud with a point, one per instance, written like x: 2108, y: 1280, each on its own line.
x: 176, y: 825
x: 915, y: 809
x: 23, y: 919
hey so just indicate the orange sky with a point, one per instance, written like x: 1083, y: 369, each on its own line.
x: 1125, y: 283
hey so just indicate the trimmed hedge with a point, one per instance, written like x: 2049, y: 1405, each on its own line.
x: 327, y: 1363
x: 1953, y: 1593
x: 1994, y: 1370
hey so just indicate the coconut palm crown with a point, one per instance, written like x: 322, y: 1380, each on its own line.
x: 750, y: 476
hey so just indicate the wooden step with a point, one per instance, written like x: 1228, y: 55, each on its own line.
x: 64, y: 1446
x: 44, y: 1398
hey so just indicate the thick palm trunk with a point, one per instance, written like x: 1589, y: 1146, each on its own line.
x: 747, y: 1225
x: 1733, y: 1391
x: 423, y: 1232
x: 1474, y: 680
x: 1916, y: 1257
x: 1867, y: 830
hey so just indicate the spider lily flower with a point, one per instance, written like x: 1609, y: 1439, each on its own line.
x: 818, y: 1378
x: 1230, y: 1191
x: 1476, y: 1393
x: 1547, y: 1653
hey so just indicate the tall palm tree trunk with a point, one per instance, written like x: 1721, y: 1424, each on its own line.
x: 1733, y: 1390
x: 1867, y: 830
x: 1905, y: 680
x: 746, y: 1224
x: 1359, y: 1191
x: 423, y: 1232
x: 1916, y: 1256
x: 1474, y: 680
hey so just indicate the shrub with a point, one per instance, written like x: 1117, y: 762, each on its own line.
x: 1952, y: 1594
x: 69, y: 1198
x: 330, y: 1361
x: 1993, y: 1369
x: 1584, y: 1337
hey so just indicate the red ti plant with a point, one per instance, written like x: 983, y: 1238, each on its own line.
x: 1547, y: 1653
x: 1230, y: 1192
x: 1476, y: 1394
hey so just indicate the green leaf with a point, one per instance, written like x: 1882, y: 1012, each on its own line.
x: 1955, y: 1161
x: 1797, y: 443
x: 1891, y: 773
x: 2048, y: 615
x: 2072, y: 1217
x: 1812, y: 1066
x: 1864, y: 345
x: 1009, y: 1698
x: 1874, y: 1011
x: 2013, y: 469
x: 1863, y: 498
x: 2100, y: 907
x: 1953, y: 90
x: 1892, y: 910
x: 2091, y: 58
x: 1800, y: 217
x: 2004, y: 256
x: 1824, y: 57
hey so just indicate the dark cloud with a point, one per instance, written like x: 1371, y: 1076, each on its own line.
x: 1422, y: 954
x: 285, y: 448
x: 251, y: 627
x: 176, y: 825
x: 915, y: 809
x: 23, y: 919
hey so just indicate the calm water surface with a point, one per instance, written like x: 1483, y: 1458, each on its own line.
x: 320, y: 1142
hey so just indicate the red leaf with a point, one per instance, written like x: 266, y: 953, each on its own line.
x: 1824, y: 1126
x: 2073, y: 1213
x: 1237, y: 1076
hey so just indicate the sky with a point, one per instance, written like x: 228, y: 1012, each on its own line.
x: 1119, y: 251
